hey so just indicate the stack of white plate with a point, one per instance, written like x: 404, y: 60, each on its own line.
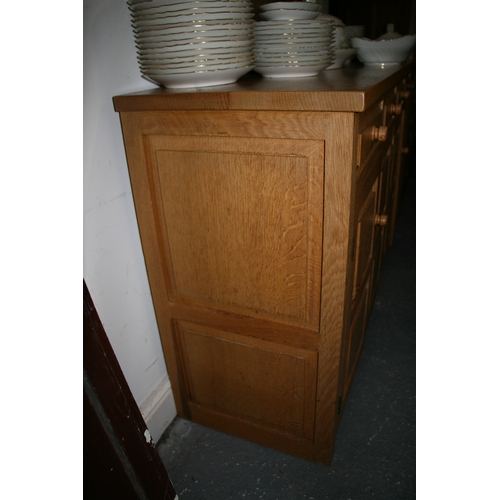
x: 292, y: 48
x: 340, y: 47
x: 194, y: 43
x: 279, y: 11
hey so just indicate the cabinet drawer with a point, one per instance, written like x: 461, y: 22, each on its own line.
x: 364, y: 239
x: 405, y: 90
x: 372, y: 133
x: 393, y: 110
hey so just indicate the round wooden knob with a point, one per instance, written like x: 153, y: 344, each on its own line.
x: 379, y: 133
x: 395, y: 109
x: 405, y: 150
x: 381, y: 220
x: 405, y: 94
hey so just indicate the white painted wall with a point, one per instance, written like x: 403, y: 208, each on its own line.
x: 114, y: 268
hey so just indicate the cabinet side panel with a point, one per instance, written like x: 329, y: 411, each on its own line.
x: 242, y: 224
x: 249, y: 380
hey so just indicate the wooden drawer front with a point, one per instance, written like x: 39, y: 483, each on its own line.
x: 248, y: 381
x: 393, y: 112
x: 406, y: 92
x: 364, y: 239
x: 368, y: 137
x: 390, y: 101
x: 250, y: 242
x: 386, y: 181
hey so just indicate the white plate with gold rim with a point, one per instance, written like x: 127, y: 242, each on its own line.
x: 154, y: 4
x: 194, y: 36
x: 192, y: 45
x: 196, y: 27
x: 165, y: 9
x: 188, y: 52
x: 167, y: 21
x: 199, y: 67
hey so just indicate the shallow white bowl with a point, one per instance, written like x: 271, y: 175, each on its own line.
x: 404, y: 41
x: 289, y: 71
x: 276, y: 58
x: 293, y: 54
x: 384, y: 51
x: 200, y: 78
x: 294, y: 62
x: 202, y: 63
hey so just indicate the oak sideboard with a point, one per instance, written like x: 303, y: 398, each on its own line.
x: 265, y: 209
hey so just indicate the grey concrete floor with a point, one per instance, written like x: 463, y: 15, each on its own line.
x: 375, y: 445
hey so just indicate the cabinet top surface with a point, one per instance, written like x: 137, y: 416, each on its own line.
x: 350, y: 89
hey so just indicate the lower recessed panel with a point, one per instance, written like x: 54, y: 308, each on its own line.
x: 249, y: 380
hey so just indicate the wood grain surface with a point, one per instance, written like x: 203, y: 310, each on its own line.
x: 259, y: 206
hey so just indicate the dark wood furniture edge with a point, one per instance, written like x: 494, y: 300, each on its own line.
x: 108, y: 390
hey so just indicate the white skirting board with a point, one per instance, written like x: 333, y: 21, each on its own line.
x: 159, y: 409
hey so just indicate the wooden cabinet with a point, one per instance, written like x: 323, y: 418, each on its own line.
x: 263, y: 209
